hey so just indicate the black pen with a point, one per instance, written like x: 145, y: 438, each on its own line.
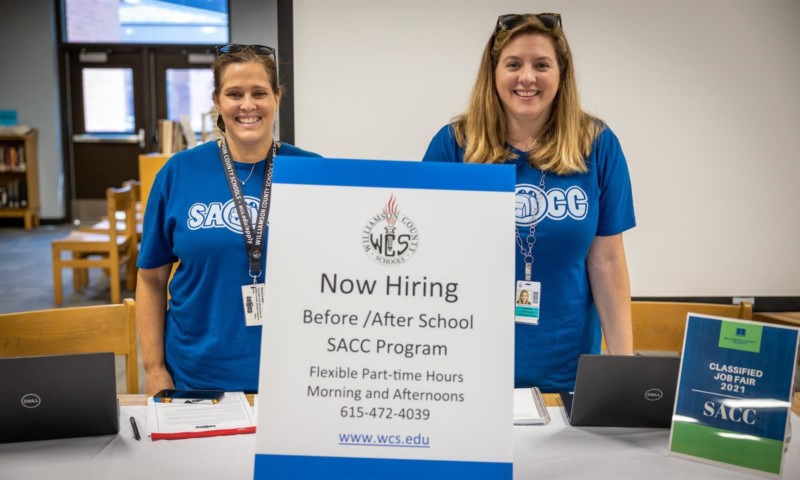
x: 135, y: 429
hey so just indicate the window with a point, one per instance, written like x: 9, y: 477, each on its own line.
x: 108, y: 100
x: 189, y: 93
x: 147, y: 21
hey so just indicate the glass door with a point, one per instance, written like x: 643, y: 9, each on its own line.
x: 108, y: 112
x: 117, y: 95
x: 126, y: 65
x: 184, y: 83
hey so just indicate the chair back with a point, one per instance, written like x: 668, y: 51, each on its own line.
x: 103, y: 328
x: 121, y: 200
x: 660, y: 326
x: 136, y: 187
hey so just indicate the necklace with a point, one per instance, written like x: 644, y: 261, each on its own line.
x: 530, y: 239
x: 252, y: 169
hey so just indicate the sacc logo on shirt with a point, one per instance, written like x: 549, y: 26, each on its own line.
x: 534, y: 204
x: 218, y: 215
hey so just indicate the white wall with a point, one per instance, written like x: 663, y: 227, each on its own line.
x: 703, y: 95
x: 29, y: 85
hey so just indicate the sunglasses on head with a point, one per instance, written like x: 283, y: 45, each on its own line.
x: 507, y: 22
x: 236, y: 48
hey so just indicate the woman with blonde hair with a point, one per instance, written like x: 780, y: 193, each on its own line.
x: 573, y: 195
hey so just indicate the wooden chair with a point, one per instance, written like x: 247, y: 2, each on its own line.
x: 660, y: 326
x: 107, y: 250
x: 136, y: 188
x: 103, y: 225
x: 104, y: 328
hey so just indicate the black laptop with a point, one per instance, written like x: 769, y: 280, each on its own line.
x: 623, y: 391
x: 58, y: 396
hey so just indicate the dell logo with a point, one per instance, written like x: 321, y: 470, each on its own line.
x: 31, y: 400
x: 653, y: 394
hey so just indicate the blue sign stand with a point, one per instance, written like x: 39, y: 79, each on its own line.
x: 734, y: 393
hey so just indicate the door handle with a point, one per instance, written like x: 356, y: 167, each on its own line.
x: 142, y: 142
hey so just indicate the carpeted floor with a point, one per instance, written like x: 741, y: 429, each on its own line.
x: 26, y: 273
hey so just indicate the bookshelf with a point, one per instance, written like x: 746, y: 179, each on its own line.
x: 19, y: 177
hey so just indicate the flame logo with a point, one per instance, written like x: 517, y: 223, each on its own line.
x: 390, y: 237
x: 390, y: 211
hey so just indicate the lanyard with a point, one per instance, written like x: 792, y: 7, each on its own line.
x: 253, y: 236
x: 530, y: 240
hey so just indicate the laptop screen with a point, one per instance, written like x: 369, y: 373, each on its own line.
x: 58, y: 396
x: 624, y: 391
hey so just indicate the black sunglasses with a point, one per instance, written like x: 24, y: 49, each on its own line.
x: 507, y: 22
x: 236, y: 48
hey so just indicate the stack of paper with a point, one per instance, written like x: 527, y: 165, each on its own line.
x: 231, y: 416
x: 529, y: 408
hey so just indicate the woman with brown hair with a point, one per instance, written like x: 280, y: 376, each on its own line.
x: 573, y: 195
x: 203, y: 212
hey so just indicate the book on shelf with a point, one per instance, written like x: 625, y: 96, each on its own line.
x: 23, y: 195
x: 12, y: 158
x: 188, y: 133
x: 21, y: 166
x: 14, y: 195
x: 170, y: 137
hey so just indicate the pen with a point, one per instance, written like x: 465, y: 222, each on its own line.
x: 135, y: 429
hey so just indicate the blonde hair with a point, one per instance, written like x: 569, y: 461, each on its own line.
x: 567, y: 136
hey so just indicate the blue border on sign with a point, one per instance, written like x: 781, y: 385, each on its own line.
x: 394, y: 174
x: 296, y: 467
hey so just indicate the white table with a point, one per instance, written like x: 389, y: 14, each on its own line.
x: 554, y: 451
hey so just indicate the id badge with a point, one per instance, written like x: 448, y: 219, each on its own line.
x: 526, y: 309
x: 253, y: 301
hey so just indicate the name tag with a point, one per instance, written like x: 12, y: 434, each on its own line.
x: 253, y: 302
x: 527, y: 305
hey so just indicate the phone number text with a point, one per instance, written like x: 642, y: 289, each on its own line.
x: 386, y: 413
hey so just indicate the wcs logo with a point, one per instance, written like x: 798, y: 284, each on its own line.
x: 390, y: 237
x: 218, y: 215
x: 31, y: 400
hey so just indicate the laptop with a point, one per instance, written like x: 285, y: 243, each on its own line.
x: 623, y: 391
x: 58, y: 396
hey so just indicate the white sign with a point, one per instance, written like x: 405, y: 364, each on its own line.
x: 388, y: 341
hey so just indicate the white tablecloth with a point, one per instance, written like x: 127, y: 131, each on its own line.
x: 554, y: 451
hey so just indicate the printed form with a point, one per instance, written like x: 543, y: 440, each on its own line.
x: 231, y: 416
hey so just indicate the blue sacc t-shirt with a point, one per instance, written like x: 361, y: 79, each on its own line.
x: 191, y: 218
x: 578, y: 208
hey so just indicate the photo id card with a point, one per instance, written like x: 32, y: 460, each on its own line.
x: 526, y: 309
x: 253, y: 301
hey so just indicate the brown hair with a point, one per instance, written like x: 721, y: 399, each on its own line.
x: 247, y: 55
x: 567, y: 136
